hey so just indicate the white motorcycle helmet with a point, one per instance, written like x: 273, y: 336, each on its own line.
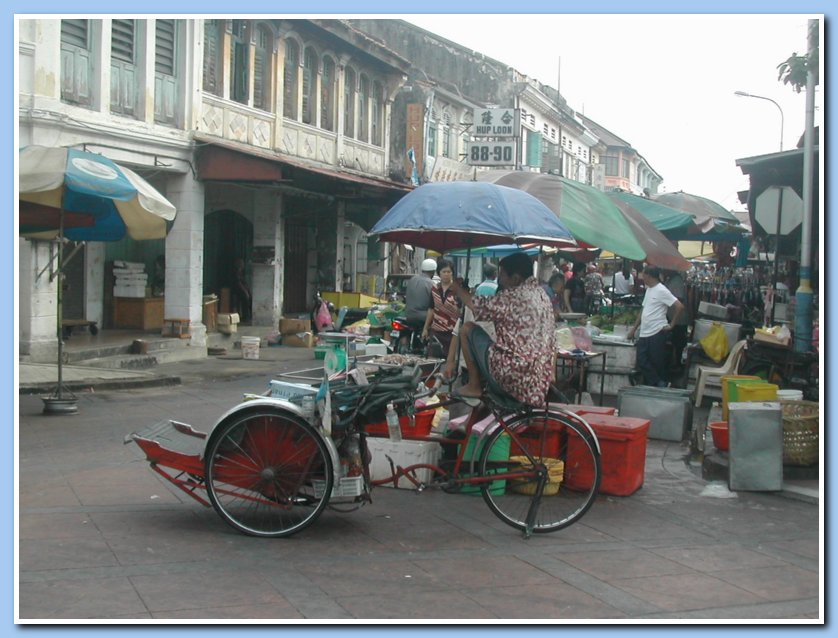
x: 429, y: 265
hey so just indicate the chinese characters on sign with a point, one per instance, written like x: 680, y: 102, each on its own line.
x: 495, y: 122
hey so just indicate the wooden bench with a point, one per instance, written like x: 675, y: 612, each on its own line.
x: 67, y: 326
x: 176, y: 328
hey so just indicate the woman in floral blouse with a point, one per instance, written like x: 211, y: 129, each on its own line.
x: 521, y: 361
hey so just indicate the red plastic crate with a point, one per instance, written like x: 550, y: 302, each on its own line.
x: 531, y: 439
x: 622, y: 441
x: 424, y: 421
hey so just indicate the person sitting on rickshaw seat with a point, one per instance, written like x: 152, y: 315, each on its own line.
x: 520, y: 361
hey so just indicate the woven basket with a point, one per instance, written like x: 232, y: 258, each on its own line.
x: 801, y: 427
x: 555, y: 473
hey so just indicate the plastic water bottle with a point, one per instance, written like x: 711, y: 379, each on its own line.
x: 393, y: 426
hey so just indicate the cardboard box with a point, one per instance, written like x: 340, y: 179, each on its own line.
x: 293, y: 326
x: 228, y: 329
x: 227, y: 318
x: 299, y: 340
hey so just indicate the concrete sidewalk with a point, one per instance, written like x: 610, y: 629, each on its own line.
x: 102, y: 536
x: 42, y: 378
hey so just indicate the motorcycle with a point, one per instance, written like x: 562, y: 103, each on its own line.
x: 405, y: 339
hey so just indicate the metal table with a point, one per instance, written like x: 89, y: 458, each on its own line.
x: 578, y: 364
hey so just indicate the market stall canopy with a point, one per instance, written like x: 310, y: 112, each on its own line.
x: 662, y: 217
x: 445, y: 216
x: 699, y: 207
x: 88, y: 195
x: 594, y: 219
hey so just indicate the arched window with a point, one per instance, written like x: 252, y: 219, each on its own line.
x: 363, y: 108
x: 446, y: 134
x: 327, y: 95
x: 432, y: 124
x: 262, y: 75
x: 289, y: 91
x: 309, y: 86
x: 377, y: 114
x: 349, y: 103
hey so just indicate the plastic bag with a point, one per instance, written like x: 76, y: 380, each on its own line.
x: 581, y: 338
x: 565, y: 339
x: 715, y: 344
x: 323, y: 319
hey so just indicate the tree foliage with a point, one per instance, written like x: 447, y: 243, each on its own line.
x: 794, y: 69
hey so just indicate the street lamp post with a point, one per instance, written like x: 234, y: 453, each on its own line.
x: 779, y: 204
x: 779, y: 108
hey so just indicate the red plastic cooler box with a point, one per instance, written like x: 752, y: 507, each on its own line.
x: 622, y: 441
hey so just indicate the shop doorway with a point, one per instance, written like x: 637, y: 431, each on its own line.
x: 228, y: 236
x: 296, y: 268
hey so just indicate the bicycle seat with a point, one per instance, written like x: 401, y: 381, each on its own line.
x: 503, y: 400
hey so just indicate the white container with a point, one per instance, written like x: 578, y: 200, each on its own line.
x: 716, y: 311
x: 403, y: 454
x: 250, y: 347
x: 789, y: 395
x: 702, y: 327
x: 376, y: 349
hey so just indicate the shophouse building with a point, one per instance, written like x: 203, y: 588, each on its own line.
x: 271, y: 137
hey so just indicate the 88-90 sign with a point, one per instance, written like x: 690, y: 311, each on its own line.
x: 491, y: 153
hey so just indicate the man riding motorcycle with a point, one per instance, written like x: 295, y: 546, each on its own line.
x: 417, y: 301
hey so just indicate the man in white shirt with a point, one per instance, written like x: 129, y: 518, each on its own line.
x: 623, y: 281
x: 654, y: 328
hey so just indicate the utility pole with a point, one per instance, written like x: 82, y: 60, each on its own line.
x: 804, y: 294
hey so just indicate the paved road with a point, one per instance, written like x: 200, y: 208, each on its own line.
x: 103, y: 537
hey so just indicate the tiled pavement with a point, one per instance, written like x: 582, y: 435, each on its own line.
x: 102, y: 537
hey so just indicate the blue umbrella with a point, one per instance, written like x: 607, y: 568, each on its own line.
x: 500, y: 250
x: 445, y: 216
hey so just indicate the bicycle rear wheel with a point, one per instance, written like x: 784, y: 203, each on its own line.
x: 268, y: 473
x: 564, y: 451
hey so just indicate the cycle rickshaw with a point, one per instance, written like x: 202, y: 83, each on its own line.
x: 270, y: 470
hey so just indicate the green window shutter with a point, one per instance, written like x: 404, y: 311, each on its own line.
x: 75, y: 33
x: 122, y: 42
x: 164, y: 54
x: 533, y: 148
x: 211, y: 43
